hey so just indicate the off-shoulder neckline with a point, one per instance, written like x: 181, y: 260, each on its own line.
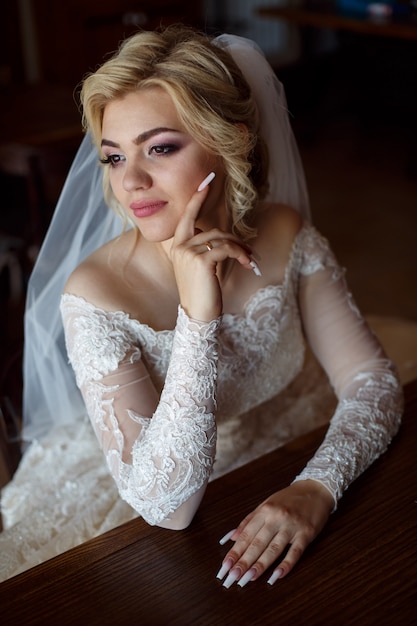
x: 274, y: 290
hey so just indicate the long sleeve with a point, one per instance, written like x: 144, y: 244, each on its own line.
x: 370, y: 399
x: 160, y: 448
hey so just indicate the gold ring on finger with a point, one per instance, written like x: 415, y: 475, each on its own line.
x: 208, y: 245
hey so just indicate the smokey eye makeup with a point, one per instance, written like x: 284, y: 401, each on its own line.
x: 112, y: 160
x: 157, y: 150
x: 163, y: 149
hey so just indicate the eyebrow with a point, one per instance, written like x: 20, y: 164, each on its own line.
x: 148, y: 134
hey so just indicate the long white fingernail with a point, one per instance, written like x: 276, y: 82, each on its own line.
x: 231, y: 579
x: 277, y: 574
x: 224, y: 569
x: 206, y: 181
x: 226, y: 538
x: 255, y: 268
x: 246, y: 577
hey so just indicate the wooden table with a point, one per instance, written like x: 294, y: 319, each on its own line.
x: 325, y: 14
x: 361, y: 570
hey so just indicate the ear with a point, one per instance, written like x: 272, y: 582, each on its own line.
x: 242, y: 127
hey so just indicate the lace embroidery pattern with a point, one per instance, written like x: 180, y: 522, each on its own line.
x: 315, y: 254
x: 360, y: 431
x: 174, y: 453
x: 259, y: 353
x: 101, y: 353
x: 174, y: 456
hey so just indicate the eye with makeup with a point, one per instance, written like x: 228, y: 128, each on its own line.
x: 112, y: 159
x: 163, y: 149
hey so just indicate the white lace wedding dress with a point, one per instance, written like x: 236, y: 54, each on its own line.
x: 239, y: 379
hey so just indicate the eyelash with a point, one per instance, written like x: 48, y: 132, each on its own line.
x: 112, y: 160
x: 164, y: 149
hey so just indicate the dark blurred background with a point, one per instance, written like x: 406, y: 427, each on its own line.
x: 352, y: 95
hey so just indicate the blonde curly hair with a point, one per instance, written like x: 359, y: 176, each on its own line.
x: 212, y: 99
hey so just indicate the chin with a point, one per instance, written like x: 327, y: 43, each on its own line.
x: 155, y: 236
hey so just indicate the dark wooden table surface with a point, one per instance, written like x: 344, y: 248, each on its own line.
x: 361, y: 570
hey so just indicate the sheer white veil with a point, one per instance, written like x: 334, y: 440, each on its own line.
x: 286, y: 178
x: 82, y: 223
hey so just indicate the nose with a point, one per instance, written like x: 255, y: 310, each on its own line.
x: 135, y: 177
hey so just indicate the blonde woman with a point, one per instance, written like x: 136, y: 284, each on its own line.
x: 187, y: 329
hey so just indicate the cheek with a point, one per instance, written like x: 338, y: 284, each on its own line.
x: 195, y: 166
x: 108, y: 184
x: 115, y: 183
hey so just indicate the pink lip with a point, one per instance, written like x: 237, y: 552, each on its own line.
x: 145, y: 208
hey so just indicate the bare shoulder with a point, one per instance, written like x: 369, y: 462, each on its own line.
x: 278, y: 226
x: 128, y: 274
x: 98, y: 278
x: 277, y: 229
x: 280, y: 221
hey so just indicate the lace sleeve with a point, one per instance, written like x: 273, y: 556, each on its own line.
x: 160, y: 450
x: 370, y: 397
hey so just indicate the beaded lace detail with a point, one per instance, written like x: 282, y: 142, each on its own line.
x: 240, y: 376
x: 260, y: 353
x: 365, y: 421
x: 172, y: 457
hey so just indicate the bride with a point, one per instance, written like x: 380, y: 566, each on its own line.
x: 185, y: 323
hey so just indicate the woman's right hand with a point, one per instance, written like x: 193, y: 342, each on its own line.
x: 195, y: 256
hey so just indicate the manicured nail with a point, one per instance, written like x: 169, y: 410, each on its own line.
x: 232, y: 577
x: 226, y: 538
x: 277, y: 574
x: 224, y: 569
x: 255, y: 268
x: 247, y: 577
x: 206, y: 181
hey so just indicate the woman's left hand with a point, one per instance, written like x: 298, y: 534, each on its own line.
x: 291, y: 518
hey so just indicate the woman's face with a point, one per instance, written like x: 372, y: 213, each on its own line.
x: 156, y: 166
